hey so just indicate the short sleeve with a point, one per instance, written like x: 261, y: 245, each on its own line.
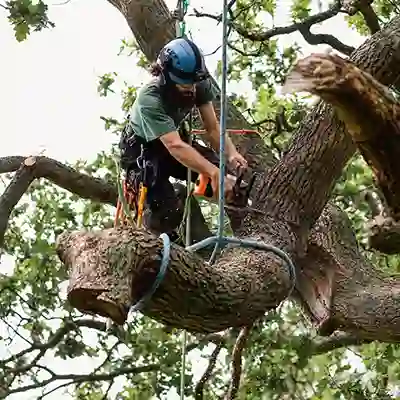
x: 154, y: 121
x: 204, y: 93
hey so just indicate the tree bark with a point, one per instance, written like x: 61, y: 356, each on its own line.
x: 112, y: 269
x: 293, y: 196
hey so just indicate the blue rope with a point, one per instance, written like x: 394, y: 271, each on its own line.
x: 223, y: 118
x: 161, y: 273
x: 220, y: 240
x: 248, y: 243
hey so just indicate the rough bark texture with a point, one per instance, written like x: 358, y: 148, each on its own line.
x: 293, y: 196
x: 384, y: 235
x: 112, y: 269
x: 352, y: 295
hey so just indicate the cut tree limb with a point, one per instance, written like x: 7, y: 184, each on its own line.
x: 370, y: 112
x: 110, y: 271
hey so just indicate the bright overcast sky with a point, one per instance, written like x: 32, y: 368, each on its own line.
x: 49, y: 97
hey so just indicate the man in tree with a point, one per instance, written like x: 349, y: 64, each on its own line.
x: 180, y: 82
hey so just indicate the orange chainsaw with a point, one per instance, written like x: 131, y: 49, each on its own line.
x: 241, y: 190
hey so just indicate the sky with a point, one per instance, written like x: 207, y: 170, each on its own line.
x: 49, y: 99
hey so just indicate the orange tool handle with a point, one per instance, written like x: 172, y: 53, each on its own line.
x: 203, y: 186
x: 142, y: 199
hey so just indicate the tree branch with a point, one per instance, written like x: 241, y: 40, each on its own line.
x: 303, y: 27
x: 351, y: 7
x: 323, y: 38
x: 57, y: 337
x: 76, y: 378
x: 225, y: 288
x: 325, y: 345
x: 13, y: 193
x: 66, y: 177
x: 370, y: 113
x: 198, y: 393
x: 237, y: 362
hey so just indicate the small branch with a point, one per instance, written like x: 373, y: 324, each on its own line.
x: 83, y: 185
x: 255, y: 53
x: 303, y: 27
x: 237, y: 362
x: 52, y: 342
x: 325, y: 345
x: 351, y: 7
x: 105, y: 396
x: 76, y: 378
x: 30, y: 168
x: 199, y: 395
x: 323, y: 38
x: 13, y: 193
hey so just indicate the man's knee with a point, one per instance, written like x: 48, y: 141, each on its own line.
x: 165, y: 210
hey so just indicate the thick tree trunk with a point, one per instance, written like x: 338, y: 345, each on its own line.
x: 293, y: 197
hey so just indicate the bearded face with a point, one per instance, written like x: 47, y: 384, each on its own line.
x: 181, y: 95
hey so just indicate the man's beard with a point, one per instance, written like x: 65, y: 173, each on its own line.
x: 179, y: 98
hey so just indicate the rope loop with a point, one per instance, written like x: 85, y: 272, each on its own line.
x: 161, y: 273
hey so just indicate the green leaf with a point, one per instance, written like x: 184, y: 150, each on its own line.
x: 21, y: 31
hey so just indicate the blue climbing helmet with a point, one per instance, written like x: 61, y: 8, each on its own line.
x: 182, y: 62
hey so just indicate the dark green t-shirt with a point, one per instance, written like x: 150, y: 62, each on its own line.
x: 151, y: 118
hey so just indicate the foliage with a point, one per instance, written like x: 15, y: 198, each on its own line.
x: 27, y: 15
x: 283, y: 359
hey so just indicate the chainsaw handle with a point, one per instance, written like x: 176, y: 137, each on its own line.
x: 203, y: 186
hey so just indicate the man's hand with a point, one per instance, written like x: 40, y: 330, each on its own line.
x: 229, y: 184
x: 236, y: 161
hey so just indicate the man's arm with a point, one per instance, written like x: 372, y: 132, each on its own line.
x: 157, y: 124
x: 212, y: 127
x: 187, y: 155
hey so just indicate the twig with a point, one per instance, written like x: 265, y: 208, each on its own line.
x: 198, y: 394
x: 237, y: 362
x: 62, y: 385
x: 108, y: 390
x: 303, y: 26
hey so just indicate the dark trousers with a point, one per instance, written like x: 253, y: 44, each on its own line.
x: 163, y: 208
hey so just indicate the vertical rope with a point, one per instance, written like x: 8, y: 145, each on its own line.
x: 188, y: 240
x: 180, y: 26
x: 224, y: 106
